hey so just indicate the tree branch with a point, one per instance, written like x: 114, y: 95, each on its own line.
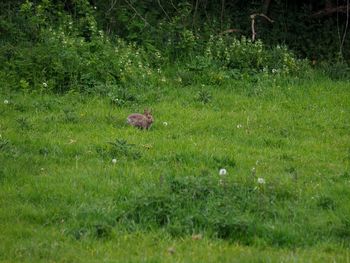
x: 160, y: 5
x: 137, y: 13
x: 252, y: 17
x: 329, y: 11
x: 222, y: 13
x: 232, y: 30
x: 346, y: 27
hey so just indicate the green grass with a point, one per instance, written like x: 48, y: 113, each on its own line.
x: 62, y: 198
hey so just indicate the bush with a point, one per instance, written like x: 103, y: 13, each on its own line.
x: 245, y: 55
x: 61, y: 63
x: 336, y: 71
x: 73, y: 55
x: 60, y: 52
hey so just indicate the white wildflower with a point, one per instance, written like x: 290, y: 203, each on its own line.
x: 239, y: 126
x: 45, y: 85
x: 261, y: 180
x: 114, y: 161
x: 222, y: 171
x: 165, y: 123
x: 6, y: 102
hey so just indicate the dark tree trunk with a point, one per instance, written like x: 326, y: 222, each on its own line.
x: 265, y: 7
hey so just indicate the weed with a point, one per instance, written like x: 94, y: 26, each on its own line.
x: 4, y: 144
x: 337, y: 71
x: 204, y: 96
x: 326, y: 202
x: 102, y: 231
x: 120, y: 97
x: 24, y: 123
x: 70, y: 116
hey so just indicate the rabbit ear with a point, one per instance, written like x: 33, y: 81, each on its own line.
x: 147, y: 111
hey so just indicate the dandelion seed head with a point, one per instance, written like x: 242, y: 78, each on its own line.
x: 222, y: 171
x: 261, y: 180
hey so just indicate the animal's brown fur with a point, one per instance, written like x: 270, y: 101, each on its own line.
x: 142, y: 121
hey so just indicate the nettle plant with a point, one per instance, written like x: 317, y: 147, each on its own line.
x: 245, y: 55
x: 64, y: 63
x: 74, y: 55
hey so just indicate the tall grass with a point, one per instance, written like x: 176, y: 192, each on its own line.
x: 61, y: 190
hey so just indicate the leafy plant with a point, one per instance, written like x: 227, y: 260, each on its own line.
x: 119, y: 97
x: 336, y: 71
x: 204, y: 96
x: 4, y: 144
x: 24, y: 123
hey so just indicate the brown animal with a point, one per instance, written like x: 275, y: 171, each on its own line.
x: 142, y: 121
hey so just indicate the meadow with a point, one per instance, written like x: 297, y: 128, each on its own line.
x: 285, y: 197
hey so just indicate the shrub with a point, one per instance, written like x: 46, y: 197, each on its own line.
x: 245, y: 55
x: 61, y: 63
x: 71, y: 56
x: 336, y: 71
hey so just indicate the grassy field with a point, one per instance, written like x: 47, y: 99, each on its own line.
x: 285, y: 145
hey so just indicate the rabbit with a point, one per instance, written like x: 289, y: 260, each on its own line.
x: 142, y: 121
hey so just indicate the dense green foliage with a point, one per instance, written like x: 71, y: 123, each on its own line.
x: 72, y: 45
x: 167, y: 25
x: 78, y: 184
x: 71, y: 54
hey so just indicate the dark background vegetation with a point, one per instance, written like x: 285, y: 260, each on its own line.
x: 71, y: 45
x: 314, y: 29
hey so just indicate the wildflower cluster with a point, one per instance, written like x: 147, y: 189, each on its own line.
x: 64, y: 62
x: 244, y: 54
x: 73, y: 54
